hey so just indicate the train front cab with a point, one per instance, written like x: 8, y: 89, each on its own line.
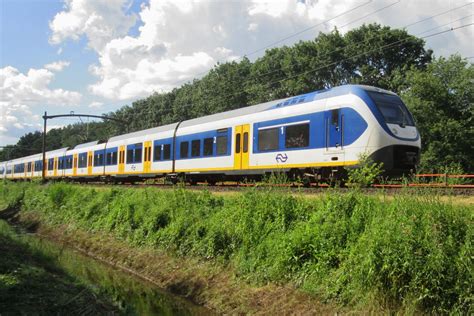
x: 401, y: 154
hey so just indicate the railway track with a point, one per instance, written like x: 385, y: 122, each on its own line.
x: 441, y: 188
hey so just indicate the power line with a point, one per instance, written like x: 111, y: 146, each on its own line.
x: 390, y: 45
x: 287, y: 37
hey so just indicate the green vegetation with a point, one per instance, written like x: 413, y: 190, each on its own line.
x: 438, y: 91
x: 365, y: 174
x: 412, y: 253
x: 31, y: 284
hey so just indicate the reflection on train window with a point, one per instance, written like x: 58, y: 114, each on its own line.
x: 166, y: 152
x: 221, y: 144
x: 134, y: 153
x: 196, y: 148
x: 157, y: 153
x: 208, y: 146
x: 82, y: 160
x: 68, y: 162
x: 184, y: 150
x: 50, y: 163
x: 111, y: 158
x: 98, y: 159
x: 268, y: 139
x: 297, y: 136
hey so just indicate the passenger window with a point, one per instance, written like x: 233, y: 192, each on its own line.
x: 335, y: 117
x: 166, y: 152
x: 208, y: 146
x: 297, y: 136
x: 157, y: 153
x: 129, y: 155
x: 237, y: 143
x: 184, y: 150
x: 268, y: 139
x: 196, y: 148
x: 138, y: 155
x: 221, y: 145
x: 246, y: 142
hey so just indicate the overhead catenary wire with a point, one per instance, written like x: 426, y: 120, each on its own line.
x: 163, y: 111
x: 286, y: 37
x: 342, y: 26
x: 390, y: 45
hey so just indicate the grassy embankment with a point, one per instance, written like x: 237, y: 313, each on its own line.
x: 412, y: 253
x: 31, y: 284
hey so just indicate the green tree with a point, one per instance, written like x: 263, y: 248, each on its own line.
x: 441, y: 99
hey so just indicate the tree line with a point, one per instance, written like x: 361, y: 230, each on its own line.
x: 438, y: 91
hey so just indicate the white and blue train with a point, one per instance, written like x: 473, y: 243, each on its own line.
x: 317, y: 135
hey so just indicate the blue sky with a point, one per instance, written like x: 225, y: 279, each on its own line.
x: 93, y: 56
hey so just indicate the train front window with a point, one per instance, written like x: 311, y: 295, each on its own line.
x: 392, y: 108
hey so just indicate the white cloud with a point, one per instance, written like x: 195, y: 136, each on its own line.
x: 22, y: 94
x: 57, y: 66
x: 180, y: 39
x: 99, y: 20
x: 96, y: 104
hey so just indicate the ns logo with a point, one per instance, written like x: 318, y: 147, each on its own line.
x: 281, y: 157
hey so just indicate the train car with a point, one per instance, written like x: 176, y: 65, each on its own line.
x: 317, y: 135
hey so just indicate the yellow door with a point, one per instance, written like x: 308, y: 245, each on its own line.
x: 238, y: 148
x: 55, y: 170
x: 241, y: 148
x: 121, y: 160
x: 74, y: 165
x: 89, y: 162
x: 147, y: 157
x: 245, y: 145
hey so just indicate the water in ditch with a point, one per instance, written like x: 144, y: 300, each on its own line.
x: 132, y: 295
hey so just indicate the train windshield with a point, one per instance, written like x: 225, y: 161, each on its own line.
x: 392, y: 108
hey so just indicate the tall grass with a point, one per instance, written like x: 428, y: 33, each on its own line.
x: 411, y: 253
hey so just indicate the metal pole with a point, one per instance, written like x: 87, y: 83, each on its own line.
x: 43, y: 171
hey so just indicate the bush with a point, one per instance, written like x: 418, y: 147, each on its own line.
x: 365, y: 174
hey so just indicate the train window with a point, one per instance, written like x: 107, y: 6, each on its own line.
x: 184, y: 149
x: 208, y: 146
x: 111, y: 158
x: 38, y: 165
x: 196, y: 148
x: 221, y: 145
x: 245, y: 147
x: 237, y: 143
x: 82, y: 160
x: 297, y: 136
x: 68, y: 162
x: 335, y: 117
x: 157, y: 153
x: 268, y: 139
x: 29, y: 167
x: 137, y: 153
x: 129, y: 155
x: 51, y: 164
x: 167, y: 151
x: 60, y: 163
x: 134, y: 153
x: 98, y: 159
x: 392, y: 108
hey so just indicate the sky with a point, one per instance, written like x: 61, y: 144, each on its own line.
x: 94, y: 56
